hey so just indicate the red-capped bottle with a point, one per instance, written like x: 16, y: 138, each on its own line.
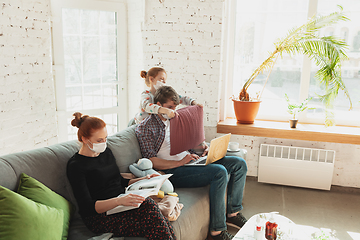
x: 259, y: 229
x: 271, y: 229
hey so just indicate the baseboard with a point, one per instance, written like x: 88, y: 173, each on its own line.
x: 334, y: 188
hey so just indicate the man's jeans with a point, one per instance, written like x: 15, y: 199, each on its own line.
x: 216, y: 174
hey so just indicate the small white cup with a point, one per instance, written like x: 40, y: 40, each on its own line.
x: 233, y: 146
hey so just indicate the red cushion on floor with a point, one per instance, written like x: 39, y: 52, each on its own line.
x: 186, y: 129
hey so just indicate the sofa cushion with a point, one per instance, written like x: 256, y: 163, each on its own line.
x: 186, y: 129
x: 42, y: 164
x: 38, y: 192
x: 22, y: 218
x: 193, y: 222
x: 125, y: 147
x: 8, y: 177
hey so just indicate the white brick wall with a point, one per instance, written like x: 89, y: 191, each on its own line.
x: 27, y: 101
x: 184, y: 37
x: 181, y: 36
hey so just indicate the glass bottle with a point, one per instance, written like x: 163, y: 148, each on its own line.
x: 271, y: 229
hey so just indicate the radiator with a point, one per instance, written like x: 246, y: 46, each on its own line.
x: 296, y: 166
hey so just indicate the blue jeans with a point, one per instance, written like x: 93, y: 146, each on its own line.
x: 217, y: 175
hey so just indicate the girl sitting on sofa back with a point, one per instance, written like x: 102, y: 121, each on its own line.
x: 154, y: 79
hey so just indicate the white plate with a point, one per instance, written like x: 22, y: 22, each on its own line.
x: 234, y: 150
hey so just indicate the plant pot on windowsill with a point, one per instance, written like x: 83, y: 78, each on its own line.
x: 246, y: 111
x: 293, y: 123
x: 295, y: 108
x: 327, y: 52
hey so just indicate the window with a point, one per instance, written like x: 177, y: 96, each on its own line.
x: 255, y: 25
x: 89, y: 41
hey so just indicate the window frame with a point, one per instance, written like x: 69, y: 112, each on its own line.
x: 118, y: 6
x: 227, y: 70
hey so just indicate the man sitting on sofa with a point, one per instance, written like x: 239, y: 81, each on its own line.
x: 154, y: 139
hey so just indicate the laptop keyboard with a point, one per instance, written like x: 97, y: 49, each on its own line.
x: 202, y: 161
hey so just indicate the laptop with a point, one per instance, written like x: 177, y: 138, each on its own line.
x: 217, y: 150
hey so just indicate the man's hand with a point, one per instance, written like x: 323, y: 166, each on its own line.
x: 202, y: 147
x: 206, y: 149
x: 188, y: 158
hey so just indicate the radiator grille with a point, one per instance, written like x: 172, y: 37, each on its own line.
x: 296, y: 166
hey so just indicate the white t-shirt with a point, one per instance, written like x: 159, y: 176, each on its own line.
x: 164, y: 151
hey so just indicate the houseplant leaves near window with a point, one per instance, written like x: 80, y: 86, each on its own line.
x: 327, y: 52
x: 294, y: 109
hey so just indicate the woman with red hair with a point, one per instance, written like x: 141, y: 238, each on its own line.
x: 96, y: 182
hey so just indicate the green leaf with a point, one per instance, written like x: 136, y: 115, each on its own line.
x: 327, y: 52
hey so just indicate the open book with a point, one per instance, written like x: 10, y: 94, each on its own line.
x: 145, y: 188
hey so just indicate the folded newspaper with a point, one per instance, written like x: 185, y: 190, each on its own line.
x: 145, y: 188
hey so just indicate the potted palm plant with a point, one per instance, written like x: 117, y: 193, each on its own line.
x: 294, y: 109
x: 327, y: 52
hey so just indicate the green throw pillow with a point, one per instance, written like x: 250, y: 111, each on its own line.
x: 22, y: 218
x: 38, y: 192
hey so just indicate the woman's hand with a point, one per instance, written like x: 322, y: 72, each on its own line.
x: 170, y: 113
x: 130, y: 200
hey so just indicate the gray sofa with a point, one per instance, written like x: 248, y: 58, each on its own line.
x: 48, y: 165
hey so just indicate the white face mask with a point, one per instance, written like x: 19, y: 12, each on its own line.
x: 98, y: 147
x: 158, y: 85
